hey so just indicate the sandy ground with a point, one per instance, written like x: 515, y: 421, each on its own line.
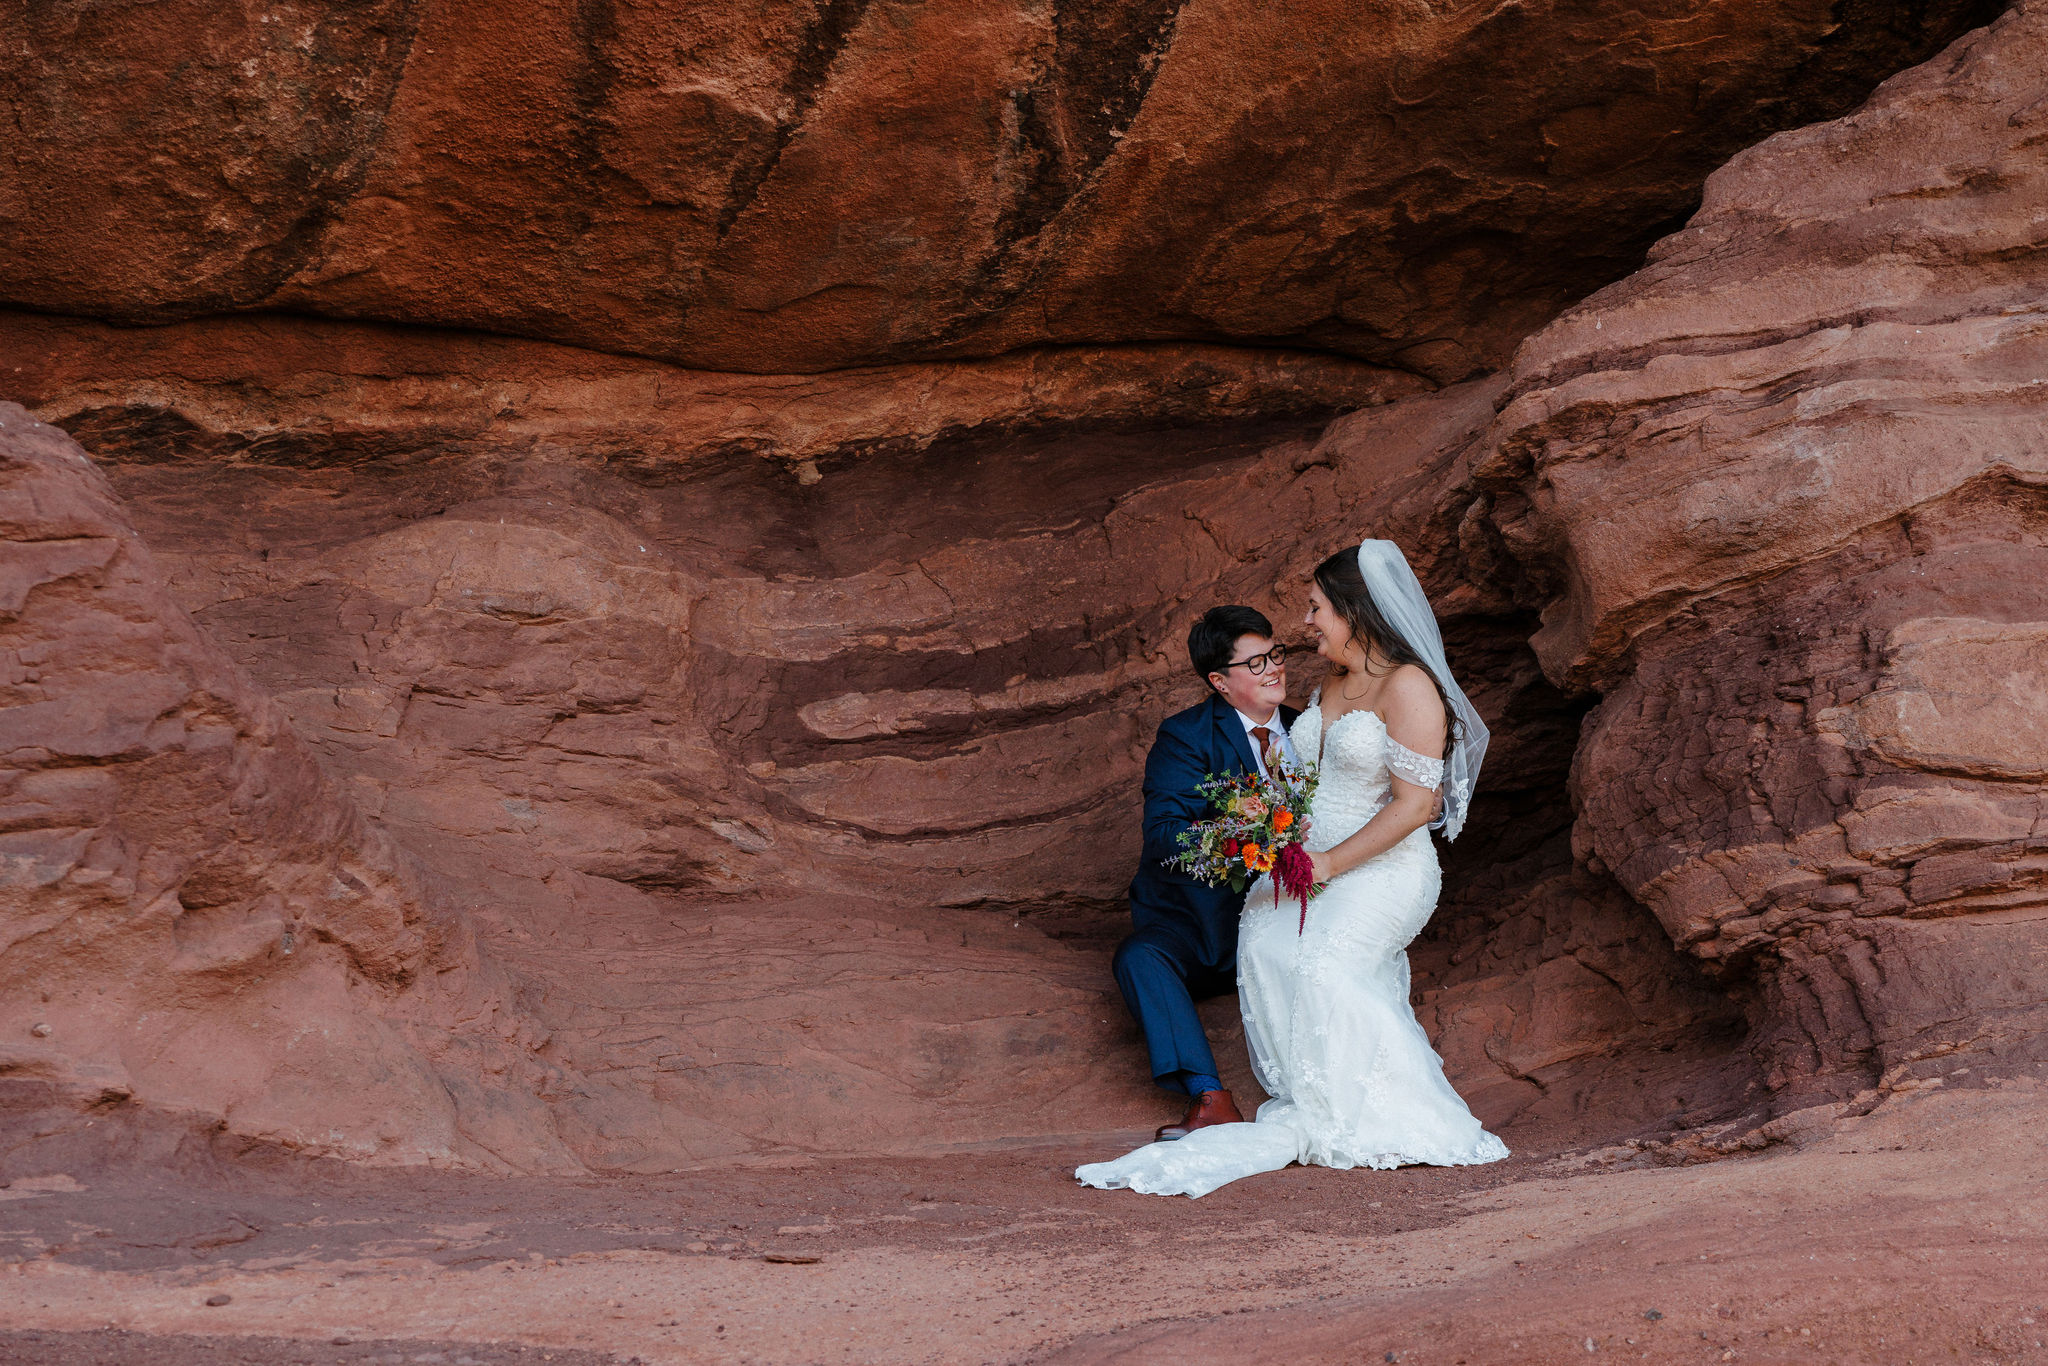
x: 1917, y: 1233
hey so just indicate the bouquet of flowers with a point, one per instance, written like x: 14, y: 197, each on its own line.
x: 1259, y: 830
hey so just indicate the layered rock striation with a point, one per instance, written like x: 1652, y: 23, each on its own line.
x: 798, y: 814
x: 1783, y: 495
x: 645, y: 765
x: 195, y: 913
x: 780, y: 188
x: 411, y: 926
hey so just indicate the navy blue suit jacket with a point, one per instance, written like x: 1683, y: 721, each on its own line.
x: 1206, y: 738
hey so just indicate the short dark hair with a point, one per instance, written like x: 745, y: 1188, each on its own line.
x: 1212, y: 639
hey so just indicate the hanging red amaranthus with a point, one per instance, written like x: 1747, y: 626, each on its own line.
x: 1294, y: 873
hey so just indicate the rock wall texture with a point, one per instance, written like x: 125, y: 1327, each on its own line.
x: 793, y: 187
x: 798, y: 813
x: 299, y: 392
x: 201, y: 918
x: 737, y: 763
x: 194, y: 914
x: 1784, y: 497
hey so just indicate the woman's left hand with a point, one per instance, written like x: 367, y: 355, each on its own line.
x: 1320, y: 861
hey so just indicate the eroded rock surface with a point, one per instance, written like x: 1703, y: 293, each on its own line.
x: 200, y: 918
x: 773, y: 187
x: 303, y: 392
x: 706, y: 805
x: 195, y: 916
x: 800, y: 811
x: 1786, y: 492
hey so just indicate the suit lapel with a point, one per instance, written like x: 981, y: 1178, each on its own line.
x: 1231, y: 728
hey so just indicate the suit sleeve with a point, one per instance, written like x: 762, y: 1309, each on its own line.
x: 1173, y: 770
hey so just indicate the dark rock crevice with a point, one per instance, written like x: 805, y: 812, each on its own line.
x: 831, y: 28
x: 1062, y: 127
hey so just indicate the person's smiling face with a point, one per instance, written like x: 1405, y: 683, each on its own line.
x: 1254, y: 694
x: 1332, y: 633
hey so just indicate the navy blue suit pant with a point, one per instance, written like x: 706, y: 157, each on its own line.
x: 1161, y: 974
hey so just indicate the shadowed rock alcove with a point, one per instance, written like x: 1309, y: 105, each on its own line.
x: 523, y: 751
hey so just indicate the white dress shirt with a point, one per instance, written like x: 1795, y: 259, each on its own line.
x: 1279, y: 730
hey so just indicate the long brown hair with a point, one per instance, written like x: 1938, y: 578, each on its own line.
x: 1343, y: 583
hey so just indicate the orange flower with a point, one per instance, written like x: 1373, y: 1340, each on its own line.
x: 1251, y: 857
x: 1282, y: 818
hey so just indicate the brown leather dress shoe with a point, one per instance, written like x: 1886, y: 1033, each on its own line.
x: 1211, y: 1107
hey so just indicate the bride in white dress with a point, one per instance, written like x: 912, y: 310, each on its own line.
x: 1333, y: 1040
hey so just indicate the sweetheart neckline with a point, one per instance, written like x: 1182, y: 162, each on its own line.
x: 1324, y: 728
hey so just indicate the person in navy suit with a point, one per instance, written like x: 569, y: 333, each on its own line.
x: 1183, y: 945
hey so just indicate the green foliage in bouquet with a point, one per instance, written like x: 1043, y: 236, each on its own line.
x: 1256, y: 819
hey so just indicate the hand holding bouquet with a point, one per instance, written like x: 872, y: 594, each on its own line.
x: 1259, y: 830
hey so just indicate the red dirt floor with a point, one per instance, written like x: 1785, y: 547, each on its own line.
x: 1917, y: 1233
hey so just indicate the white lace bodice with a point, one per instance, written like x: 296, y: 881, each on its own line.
x: 1359, y: 762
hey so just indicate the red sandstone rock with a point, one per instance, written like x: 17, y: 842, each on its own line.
x: 728, y: 676
x: 791, y: 799
x: 194, y: 916
x: 206, y: 922
x: 1785, y: 491
x: 614, y: 712
x: 793, y: 188
x: 266, y: 390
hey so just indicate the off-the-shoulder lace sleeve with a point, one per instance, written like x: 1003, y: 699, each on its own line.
x: 1409, y: 766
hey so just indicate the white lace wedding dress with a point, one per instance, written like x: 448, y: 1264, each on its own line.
x: 1333, y: 1040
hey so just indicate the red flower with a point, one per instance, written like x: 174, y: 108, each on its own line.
x: 1230, y: 848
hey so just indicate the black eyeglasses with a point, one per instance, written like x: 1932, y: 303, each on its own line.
x: 1257, y: 663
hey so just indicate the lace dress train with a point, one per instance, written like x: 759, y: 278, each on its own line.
x: 1333, y: 1040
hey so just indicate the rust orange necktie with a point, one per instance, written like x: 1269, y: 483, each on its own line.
x: 1265, y: 738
